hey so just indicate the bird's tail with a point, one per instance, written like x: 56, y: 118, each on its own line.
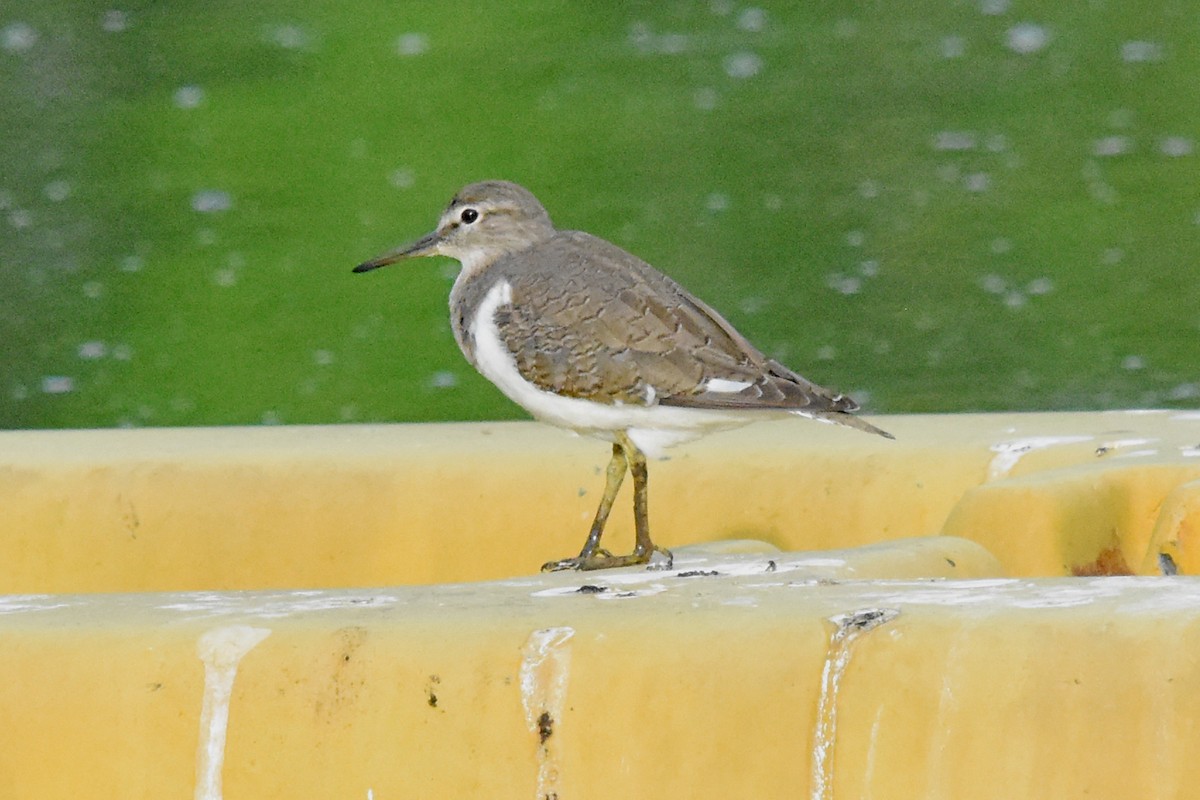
x: 851, y: 421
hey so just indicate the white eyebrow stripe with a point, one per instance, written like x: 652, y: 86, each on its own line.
x: 725, y: 386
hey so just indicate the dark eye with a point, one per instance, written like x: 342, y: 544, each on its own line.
x: 469, y: 215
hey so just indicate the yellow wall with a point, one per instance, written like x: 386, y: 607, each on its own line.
x: 846, y: 617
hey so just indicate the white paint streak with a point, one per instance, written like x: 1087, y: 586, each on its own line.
x: 1137, y: 454
x: 276, y: 604
x: 22, y: 603
x: 545, y: 671
x: 1009, y: 453
x: 221, y: 649
x: 608, y: 591
x: 1117, y: 444
x: 868, y: 777
x: 849, y: 627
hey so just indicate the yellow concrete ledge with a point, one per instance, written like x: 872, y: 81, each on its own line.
x: 245, y: 508
x: 897, y: 662
x: 771, y: 678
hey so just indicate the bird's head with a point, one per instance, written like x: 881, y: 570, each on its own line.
x: 484, y: 221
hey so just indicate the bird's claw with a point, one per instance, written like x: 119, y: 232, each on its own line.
x: 603, y: 559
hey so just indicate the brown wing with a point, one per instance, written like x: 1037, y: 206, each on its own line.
x: 592, y: 321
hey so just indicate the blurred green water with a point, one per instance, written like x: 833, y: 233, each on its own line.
x: 937, y: 206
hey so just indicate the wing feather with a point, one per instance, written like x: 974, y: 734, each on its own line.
x: 590, y: 320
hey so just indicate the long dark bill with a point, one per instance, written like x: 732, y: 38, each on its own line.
x: 421, y: 247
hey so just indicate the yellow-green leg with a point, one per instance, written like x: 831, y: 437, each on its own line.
x: 625, y: 457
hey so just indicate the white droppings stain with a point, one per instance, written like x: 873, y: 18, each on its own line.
x: 1061, y: 598
x: 872, y: 746
x: 221, y: 650
x: 607, y: 591
x: 1137, y: 454
x: 559, y: 591
x: 1130, y: 595
x: 849, y: 627
x: 1009, y: 453
x: 22, y: 603
x: 545, y: 672
x: 1115, y: 444
x: 274, y: 605
x: 816, y: 561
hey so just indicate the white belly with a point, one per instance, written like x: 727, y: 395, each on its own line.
x: 652, y: 428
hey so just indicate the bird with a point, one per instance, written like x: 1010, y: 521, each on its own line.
x: 588, y: 337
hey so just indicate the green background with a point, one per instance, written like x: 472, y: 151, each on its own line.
x: 936, y: 206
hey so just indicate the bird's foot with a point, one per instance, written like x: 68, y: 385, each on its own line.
x: 602, y: 559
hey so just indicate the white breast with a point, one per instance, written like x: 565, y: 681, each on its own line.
x: 651, y: 427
